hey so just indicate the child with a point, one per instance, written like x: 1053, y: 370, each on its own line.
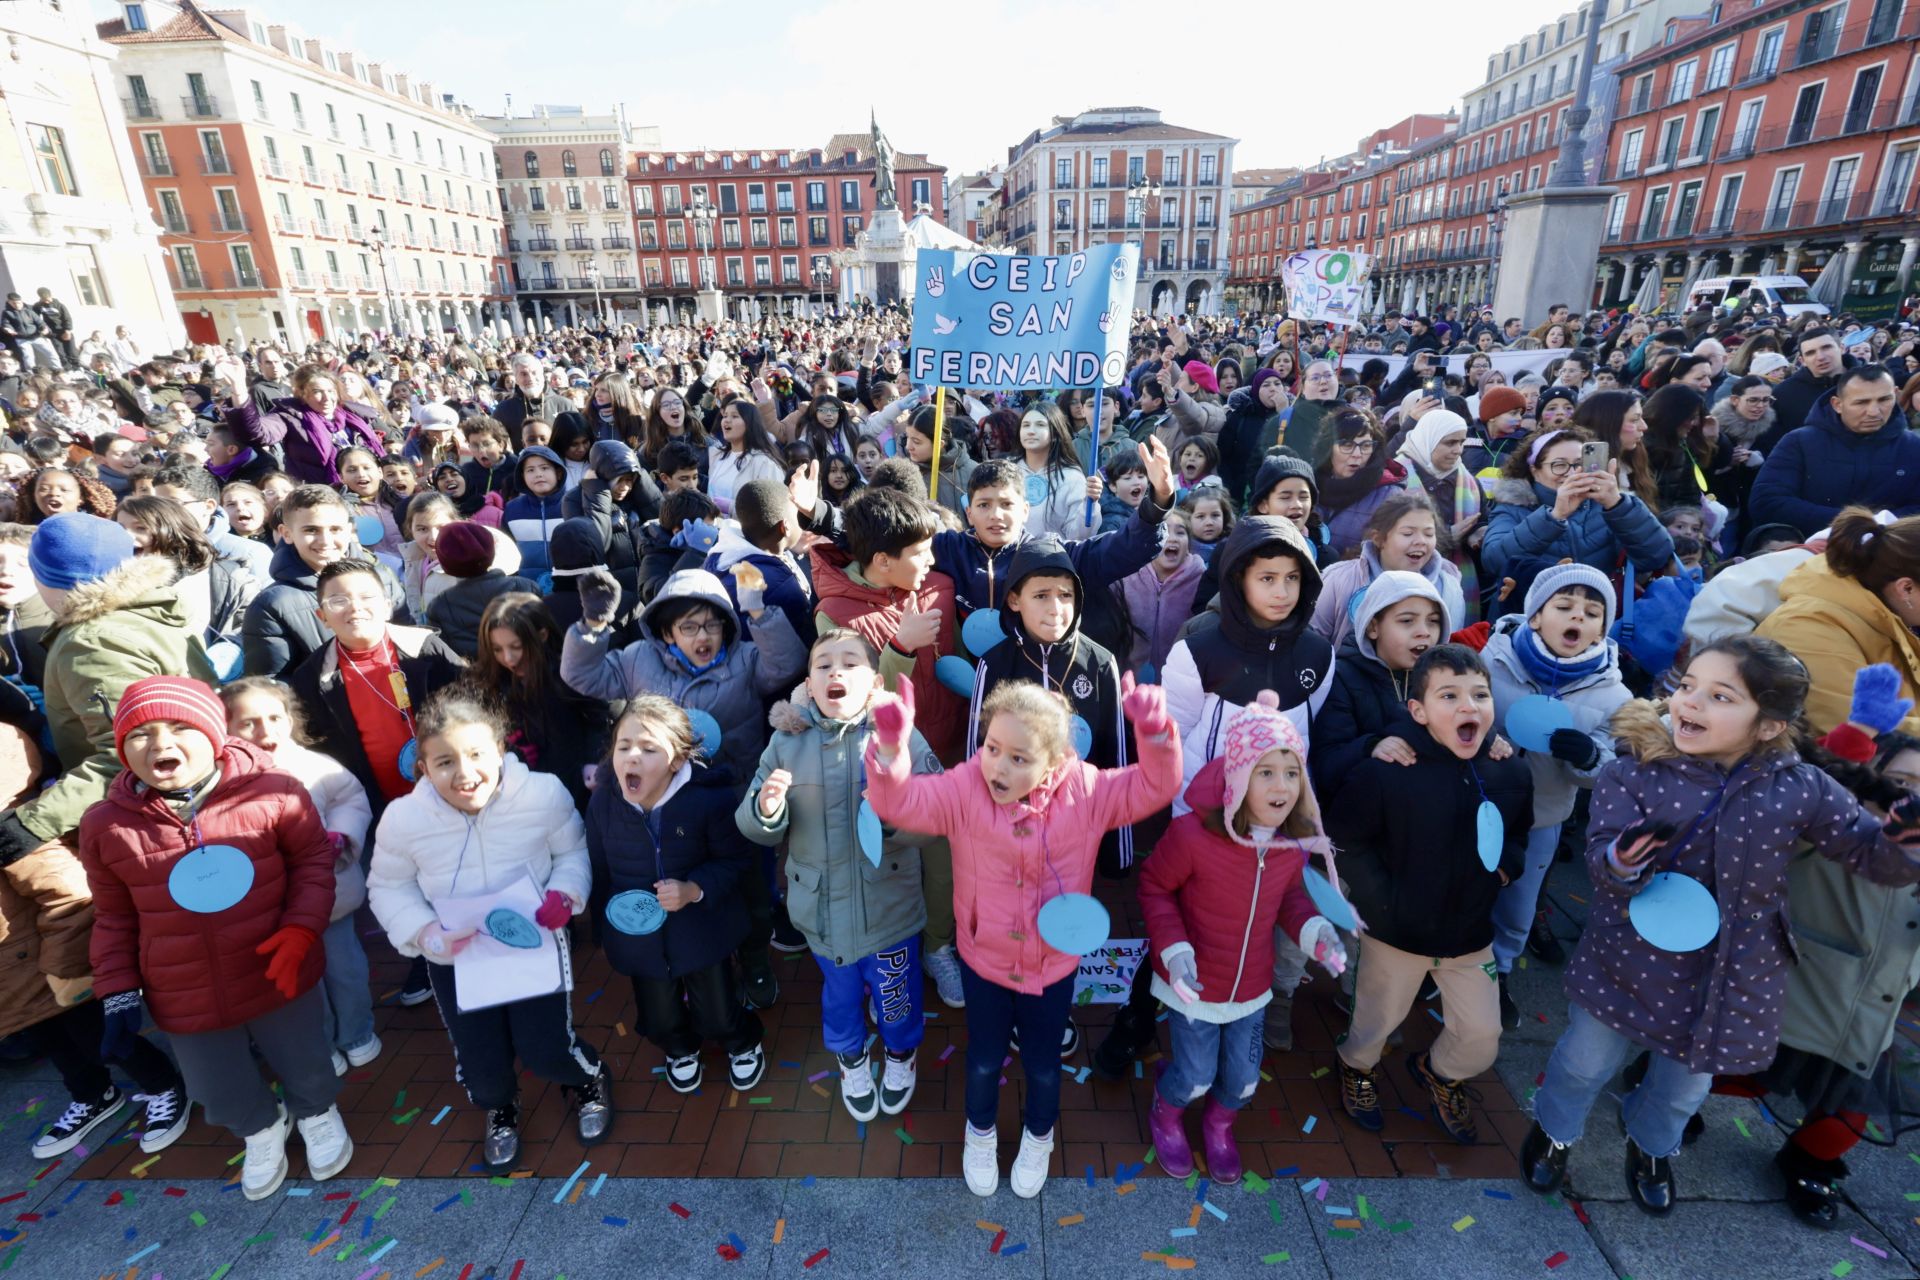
x: 1209, y: 520
x: 266, y: 713
x: 451, y: 483
x: 225, y: 962
x: 491, y: 467
x: 466, y: 551
x: 660, y: 823
x: 1159, y: 598
x: 360, y: 485
x: 672, y: 542
x: 1559, y: 649
x: 1211, y: 904
x: 1435, y: 846
x: 282, y: 625
x: 398, y: 483
x: 678, y: 467
x: 1399, y: 617
x: 861, y: 919
x: 1197, y: 463
x: 1025, y: 817
x: 480, y: 822
x: 246, y: 509
x: 427, y: 514
x: 553, y: 729
x: 1126, y: 485
x: 867, y: 454
x: 1403, y: 533
x: 1721, y: 798
x: 843, y: 480
x: 760, y: 539
x: 1057, y: 490
x: 533, y: 515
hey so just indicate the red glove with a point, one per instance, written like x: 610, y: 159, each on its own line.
x: 893, y: 718
x: 1474, y: 637
x: 286, y: 951
x: 554, y: 912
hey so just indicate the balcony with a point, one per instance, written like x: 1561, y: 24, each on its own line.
x: 202, y: 107
x: 344, y: 182
x: 141, y: 108
x: 215, y: 165
x: 375, y: 187
x: 183, y: 279
x: 616, y: 242
x: 178, y: 224
x: 1824, y: 45
x: 156, y: 166
x: 238, y: 280
x: 579, y: 243
x: 427, y: 198
x: 334, y: 280
x: 290, y: 226
x: 435, y: 242
x: 322, y: 227
x: 303, y: 279
x: 311, y: 175
x: 513, y: 245
x: 300, y: 121
x: 608, y: 206
x: 403, y: 193
x: 619, y: 282
x: 232, y: 220
x: 542, y: 245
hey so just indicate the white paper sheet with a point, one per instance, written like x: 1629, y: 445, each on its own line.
x: 487, y: 972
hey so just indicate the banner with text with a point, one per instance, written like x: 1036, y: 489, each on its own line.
x: 1326, y: 284
x: 1106, y: 975
x: 1009, y: 322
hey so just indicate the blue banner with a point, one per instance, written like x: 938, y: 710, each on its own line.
x: 1003, y: 322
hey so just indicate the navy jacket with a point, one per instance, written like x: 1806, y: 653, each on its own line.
x: 1822, y: 467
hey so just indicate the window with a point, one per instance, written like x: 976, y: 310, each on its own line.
x: 1669, y: 153
x: 1747, y: 132
x: 643, y: 200
x: 1786, y: 186
x: 1806, y: 111
x: 1866, y: 89
x: 849, y: 194
x: 783, y: 197
x: 50, y: 154
x: 756, y: 198
x: 1063, y: 171
x: 1208, y: 171
x: 1656, y: 216
x: 649, y: 238
x: 88, y: 283
x: 730, y: 233
x: 922, y: 193
x: 136, y: 17
x: 816, y: 196
x: 1630, y: 154
x: 1687, y: 209
x: 532, y: 162
x: 606, y: 163
x: 187, y: 264
x: 244, y: 274
x: 609, y: 196
x: 817, y: 231
x: 1820, y: 36
x: 567, y: 167
x: 849, y: 229
x: 1720, y: 67
x: 676, y: 235
x: 1099, y: 171
x: 1841, y: 175
x: 734, y: 272
x: 1728, y: 204
x: 670, y: 200
x: 1766, y: 55
x: 1705, y: 130
x: 1680, y: 88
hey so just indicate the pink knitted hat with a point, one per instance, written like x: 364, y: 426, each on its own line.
x: 1257, y: 728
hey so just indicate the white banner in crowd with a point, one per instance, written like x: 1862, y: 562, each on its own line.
x: 1511, y: 363
x: 1326, y: 284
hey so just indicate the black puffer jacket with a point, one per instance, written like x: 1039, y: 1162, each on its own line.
x: 283, y: 625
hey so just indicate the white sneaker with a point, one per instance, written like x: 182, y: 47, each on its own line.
x: 896, y: 1086
x: 329, y: 1145
x: 944, y: 967
x: 856, y: 1088
x: 166, y: 1120
x: 360, y: 1055
x: 980, y: 1161
x: 1029, y: 1172
x: 745, y: 1069
x: 339, y: 1063
x: 266, y: 1166
x: 684, y: 1074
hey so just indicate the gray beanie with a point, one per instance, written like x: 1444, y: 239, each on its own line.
x: 1557, y: 578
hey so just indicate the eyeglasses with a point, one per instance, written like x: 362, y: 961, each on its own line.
x: 346, y: 604
x: 694, y: 630
x: 1750, y: 399
x: 1360, y: 447
x: 1561, y: 470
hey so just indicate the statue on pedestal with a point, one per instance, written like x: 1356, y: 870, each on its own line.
x: 885, y: 196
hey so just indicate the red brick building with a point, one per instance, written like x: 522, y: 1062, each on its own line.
x: 778, y: 219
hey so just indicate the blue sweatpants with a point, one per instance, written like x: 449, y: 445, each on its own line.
x: 893, y: 976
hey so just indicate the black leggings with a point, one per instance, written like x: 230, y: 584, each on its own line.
x: 71, y: 1041
x: 677, y: 1014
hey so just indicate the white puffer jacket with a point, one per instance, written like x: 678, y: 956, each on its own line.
x: 344, y: 808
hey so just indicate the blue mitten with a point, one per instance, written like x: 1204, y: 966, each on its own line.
x: 696, y: 535
x: 1877, y: 703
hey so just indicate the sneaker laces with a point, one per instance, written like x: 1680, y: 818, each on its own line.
x: 162, y: 1108
x: 503, y: 1118
x: 76, y: 1114
x: 1360, y: 1090
x: 746, y: 1061
x: 1456, y: 1098
x: 858, y: 1073
x: 900, y: 1073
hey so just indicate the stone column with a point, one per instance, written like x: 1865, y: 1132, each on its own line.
x: 1792, y: 263
x: 1909, y: 248
x: 1852, y: 248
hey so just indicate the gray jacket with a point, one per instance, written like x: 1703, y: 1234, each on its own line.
x: 732, y: 691
x: 1591, y: 700
x: 846, y: 906
x: 1859, y: 945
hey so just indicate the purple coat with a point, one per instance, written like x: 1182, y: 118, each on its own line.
x: 309, y: 455
x: 1717, y: 1009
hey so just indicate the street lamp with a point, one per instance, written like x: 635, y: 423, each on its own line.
x: 1496, y: 223
x: 702, y: 214
x: 1139, y: 191
x: 593, y: 278
x: 822, y: 276
x: 376, y: 241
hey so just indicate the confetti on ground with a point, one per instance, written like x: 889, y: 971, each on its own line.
x: 1741, y: 1125
x: 1556, y: 1260
x: 818, y: 1257
x: 598, y: 1181
x: 1012, y: 1249
x: 197, y: 1218
x: 431, y: 1267
x: 1491, y: 1194
x: 904, y: 1136
x: 1071, y: 1220
x: 779, y: 1229
x: 406, y: 1117
x: 1464, y: 1223
x: 441, y: 1115
x: 680, y: 1211
x: 999, y: 1238
x: 946, y: 1053
x: 984, y: 1225
x: 1875, y: 1250
x: 448, y: 1203
x: 1179, y: 1232
x: 1271, y: 1258
x: 1841, y: 1269
x: 1193, y: 1219
x: 1308, y: 1127
x: 613, y: 1222
x: 1305, y: 1187
x: 1215, y: 1210
x: 567, y: 1186
x: 1126, y: 1189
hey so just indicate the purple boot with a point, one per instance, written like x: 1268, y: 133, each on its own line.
x: 1223, y: 1154
x: 1170, y: 1146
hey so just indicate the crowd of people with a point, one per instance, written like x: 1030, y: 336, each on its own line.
x: 693, y: 643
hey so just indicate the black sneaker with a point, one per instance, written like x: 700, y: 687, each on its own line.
x: 1650, y: 1181
x: 166, y: 1120
x: 502, y: 1148
x: 1069, y: 1040
x: 1543, y: 946
x: 758, y: 987
x: 785, y: 936
x: 416, y: 989
x: 1360, y: 1095
x: 76, y: 1122
x: 1509, y: 1011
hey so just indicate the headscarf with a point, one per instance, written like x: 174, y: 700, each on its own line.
x: 1417, y: 452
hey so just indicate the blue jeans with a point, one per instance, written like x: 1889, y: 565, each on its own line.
x: 1225, y: 1055
x: 893, y: 976
x: 347, y: 986
x: 1514, y: 909
x: 1582, y: 1064
x: 992, y: 1013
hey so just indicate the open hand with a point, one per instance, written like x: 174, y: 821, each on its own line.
x: 1159, y: 464
x: 773, y: 792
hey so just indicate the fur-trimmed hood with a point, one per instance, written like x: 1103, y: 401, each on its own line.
x: 1641, y: 730
x: 136, y: 582
x: 1515, y: 493
x: 798, y: 714
x: 1736, y: 429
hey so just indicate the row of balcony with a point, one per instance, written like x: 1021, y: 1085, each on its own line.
x: 1746, y: 143
x: 576, y: 244
x: 334, y: 282
x: 1101, y: 184
x: 567, y: 284
x: 1804, y: 215
x: 1882, y: 26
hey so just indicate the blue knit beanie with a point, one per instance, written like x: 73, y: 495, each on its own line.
x: 74, y: 548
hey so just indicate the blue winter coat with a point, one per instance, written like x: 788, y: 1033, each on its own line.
x: 530, y: 521
x: 1521, y: 526
x: 1822, y: 467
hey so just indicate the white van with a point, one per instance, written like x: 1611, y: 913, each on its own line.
x: 1789, y: 292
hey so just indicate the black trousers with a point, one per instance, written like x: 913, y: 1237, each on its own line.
x: 679, y: 1013
x: 486, y: 1042
x: 71, y: 1041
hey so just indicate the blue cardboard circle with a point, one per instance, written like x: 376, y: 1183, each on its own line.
x: 980, y: 632
x: 956, y: 674
x: 1329, y: 901
x: 637, y: 911
x: 867, y: 827
x: 1532, y: 720
x: 410, y: 760
x: 1082, y: 735
x: 369, y: 530
x: 210, y: 879
x: 1036, y: 491
x: 1490, y: 832
x: 705, y: 728
x: 1675, y: 912
x: 1075, y: 923
x: 509, y: 926
x: 1146, y: 673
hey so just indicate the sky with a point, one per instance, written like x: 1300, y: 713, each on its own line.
x: 960, y: 83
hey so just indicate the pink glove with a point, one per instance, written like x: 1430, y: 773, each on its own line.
x: 893, y: 719
x: 1146, y: 706
x: 554, y: 912
x: 339, y: 845
x: 442, y: 945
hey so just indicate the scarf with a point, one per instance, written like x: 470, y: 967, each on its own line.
x: 690, y: 667
x: 1548, y: 669
x: 224, y: 471
x: 1337, y: 494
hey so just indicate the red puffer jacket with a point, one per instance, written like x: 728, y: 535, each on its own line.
x: 198, y: 971
x: 1221, y: 897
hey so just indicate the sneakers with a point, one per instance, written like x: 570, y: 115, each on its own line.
x: 416, y: 989
x: 1029, y: 1172
x: 266, y: 1165
x: 1278, y: 1032
x: 1813, y: 1185
x: 1132, y: 1033
x: 1543, y: 946
x: 684, y: 1074
x: 1509, y: 1011
x: 1543, y: 1162
x: 501, y: 1151
x: 76, y: 1122
x: 360, y: 1055
x: 745, y: 1069
x: 785, y: 936
x: 896, y: 1085
x: 943, y: 966
x: 166, y: 1118
x: 980, y: 1161
x: 328, y: 1144
x: 1360, y: 1095
x: 862, y: 1100
x: 1069, y: 1040
x: 339, y: 1063
x: 758, y: 987
x: 1452, y: 1101
x: 593, y: 1105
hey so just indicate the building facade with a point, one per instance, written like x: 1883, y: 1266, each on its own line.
x: 72, y: 217
x: 563, y: 192
x: 1770, y: 139
x: 768, y: 229
x: 975, y: 208
x: 1123, y: 173
x: 303, y: 190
